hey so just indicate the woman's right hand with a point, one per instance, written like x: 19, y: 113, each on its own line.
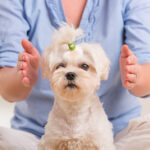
x: 28, y: 63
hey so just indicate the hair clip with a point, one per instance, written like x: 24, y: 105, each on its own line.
x: 71, y: 46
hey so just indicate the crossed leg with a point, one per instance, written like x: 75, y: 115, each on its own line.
x: 136, y: 136
x: 11, y: 139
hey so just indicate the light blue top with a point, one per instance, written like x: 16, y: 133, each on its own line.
x: 108, y: 22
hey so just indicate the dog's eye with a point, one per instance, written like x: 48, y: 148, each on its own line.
x: 60, y: 65
x: 84, y: 67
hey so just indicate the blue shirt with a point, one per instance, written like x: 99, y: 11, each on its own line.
x: 108, y: 22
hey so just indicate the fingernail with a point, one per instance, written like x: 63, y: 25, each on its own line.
x: 23, y: 57
x: 20, y: 65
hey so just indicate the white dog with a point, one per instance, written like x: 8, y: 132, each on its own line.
x: 77, y: 120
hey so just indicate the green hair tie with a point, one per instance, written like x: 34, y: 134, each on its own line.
x: 71, y: 46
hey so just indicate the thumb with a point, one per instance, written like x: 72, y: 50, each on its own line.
x: 28, y: 47
x: 125, y: 51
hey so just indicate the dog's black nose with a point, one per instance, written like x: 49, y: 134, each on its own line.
x: 70, y: 76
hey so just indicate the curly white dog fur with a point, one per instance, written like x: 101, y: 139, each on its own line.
x: 77, y: 120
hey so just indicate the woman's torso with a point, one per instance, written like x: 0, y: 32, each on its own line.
x: 102, y: 22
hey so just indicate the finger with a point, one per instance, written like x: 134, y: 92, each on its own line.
x: 131, y: 78
x: 26, y: 81
x: 20, y: 73
x: 24, y: 65
x: 132, y: 69
x: 24, y: 73
x: 129, y: 85
x: 125, y: 51
x: 28, y: 47
x: 21, y: 56
x: 131, y: 60
x: 19, y: 65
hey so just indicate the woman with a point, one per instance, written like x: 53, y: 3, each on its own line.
x: 121, y: 27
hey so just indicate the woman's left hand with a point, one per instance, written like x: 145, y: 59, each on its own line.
x: 129, y: 68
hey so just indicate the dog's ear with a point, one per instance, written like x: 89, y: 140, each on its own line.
x: 45, y: 66
x: 105, y: 68
x: 96, y: 53
x: 103, y: 62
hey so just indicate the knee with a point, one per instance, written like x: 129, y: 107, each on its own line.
x: 17, y: 140
x: 4, y: 138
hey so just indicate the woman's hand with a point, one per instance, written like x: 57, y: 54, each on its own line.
x: 28, y: 63
x: 130, y: 69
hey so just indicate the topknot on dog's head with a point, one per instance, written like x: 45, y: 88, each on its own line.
x: 63, y: 36
x: 66, y: 34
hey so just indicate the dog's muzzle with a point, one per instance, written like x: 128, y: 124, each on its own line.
x: 71, y: 76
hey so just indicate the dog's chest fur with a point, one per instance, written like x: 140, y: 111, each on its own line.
x: 76, y: 144
x: 73, y: 129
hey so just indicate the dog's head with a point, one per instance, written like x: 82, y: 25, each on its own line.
x: 77, y: 73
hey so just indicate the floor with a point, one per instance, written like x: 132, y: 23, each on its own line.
x: 6, y: 110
